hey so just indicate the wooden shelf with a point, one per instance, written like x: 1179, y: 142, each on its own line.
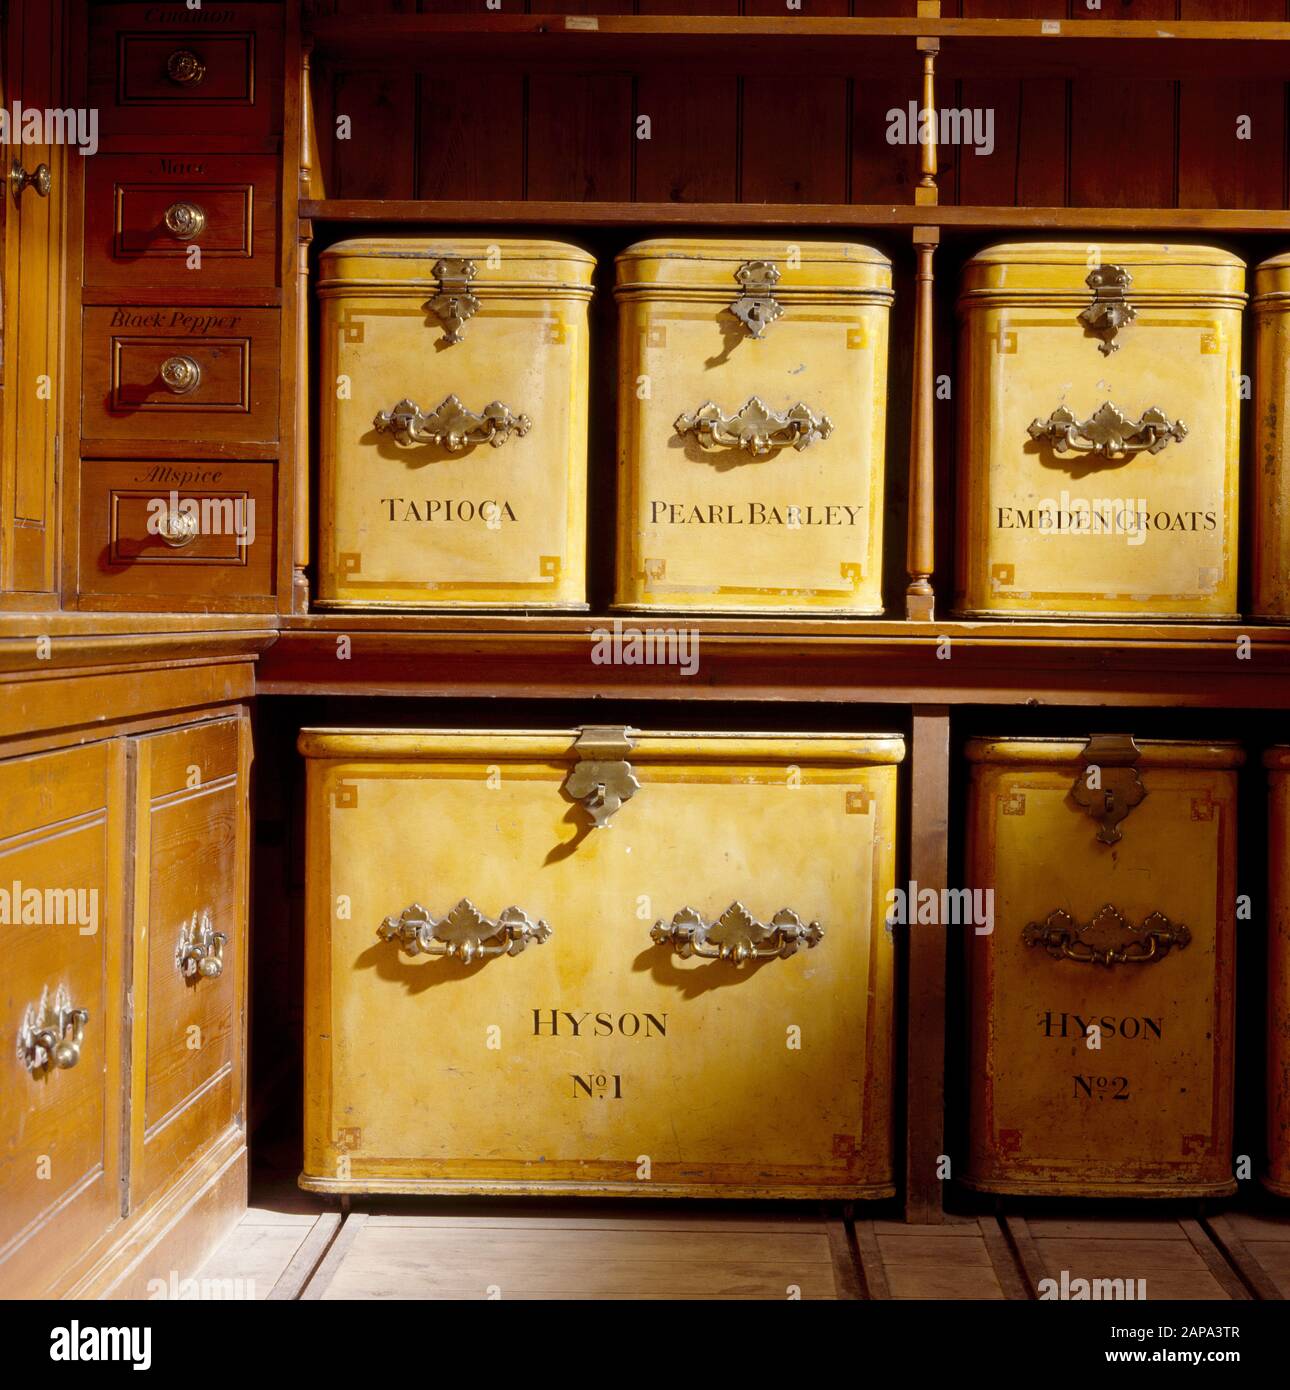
x: 825, y: 215
x: 819, y: 46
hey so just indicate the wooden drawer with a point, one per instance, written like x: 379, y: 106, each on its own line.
x: 191, y: 809
x: 204, y: 77
x: 180, y: 373
x: 126, y: 505
x: 146, y: 216
x: 61, y: 853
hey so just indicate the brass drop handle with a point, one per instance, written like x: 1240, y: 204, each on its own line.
x: 178, y: 528
x: 463, y: 933
x: 185, y: 221
x: 185, y: 68
x: 754, y: 427
x: 39, y: 179
x: 1108, y: 938
x: 200, y: 952
x: 450, y: 425
x: 736, y: 936
x: 1108, y: 432
x: 43, y: 1040
x: 181, y: 374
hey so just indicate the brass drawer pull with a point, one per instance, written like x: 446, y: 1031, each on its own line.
x: 757, y: 306
x: 185, y: 221
x: 178, y: 528
x: 464, y: 933
x: 1110, y: 311
x: 181, y: 374
x: 185, y: 68
x: 454, y: 303
x: 450, y: 425
x: 1108, y: 432
x: 39, y: 180
x: 755, y: 427
x: 43, y: 1038
x: 1102, y: 939
x: 200, y: 951
x: 736, y: 936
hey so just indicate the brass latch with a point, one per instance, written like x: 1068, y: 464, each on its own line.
x: 603, y: 778
x: 1110, y: 311
x: 454, y: 303
x: 1107, y: 785
x: 757, y: 306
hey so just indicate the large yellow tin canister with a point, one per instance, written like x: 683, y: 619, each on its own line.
x: 1271, y: 304
x: 751, y: 426
x: 592, y: 962
x: 454, y: 424
x: 1101, y: 1019
x: 1099, y: 399
x: 1277, y: 1177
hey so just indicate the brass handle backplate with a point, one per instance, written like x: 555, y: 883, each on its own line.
x: 43, y: 1040
x: 1108, y: 938
x: 450, y: 425
x: 736, y: 936
x: 200, y: 952
x: 185, y: 221
x: 464, y: 933
x: 185, y: 68
x: 39, y: 180
x: 1108, y: 785
x: 1108, y: 432
x: 454, y: 303
x: 1110, y: 311
x: 757, y: 307
x: 181, y: 374
x: 754, y: 427
x: 602, y: 779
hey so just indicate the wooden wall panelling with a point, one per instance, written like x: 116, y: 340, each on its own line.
x: 34, y: 382
x: 580, y: 136
x: 376, y: 157
x: 471, y: 136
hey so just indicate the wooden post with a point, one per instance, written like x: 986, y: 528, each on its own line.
x: 310, y: 187
x: 920, y: 601
x: 925, y: 192
x: 929, y: 810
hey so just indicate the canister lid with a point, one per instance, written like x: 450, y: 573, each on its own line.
x: 499, y: 263
x: 1277, y: 757
x: 1054, y: 270
x: 1161, y: 752
x: 1272, y: 278
x: 669, y: 265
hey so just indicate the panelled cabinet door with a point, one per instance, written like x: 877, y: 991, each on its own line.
x: 190, y: 948
x: 61, y: 987
x: 655, y: 966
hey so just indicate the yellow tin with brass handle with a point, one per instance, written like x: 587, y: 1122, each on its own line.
x: 655, y: 1014
x: 1101, y: 986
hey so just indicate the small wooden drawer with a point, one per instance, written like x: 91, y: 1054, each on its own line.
x: 209, y: 373
x: 188, y: 989
x: 176, y: 534
x: 60, y: 953
x: 171, y: 75
x: 196, y: 221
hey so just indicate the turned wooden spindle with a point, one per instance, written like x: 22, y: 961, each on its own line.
x: 920, y: 559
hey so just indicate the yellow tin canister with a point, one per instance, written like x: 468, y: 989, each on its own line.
x: 1101, y: 1014
x: 751, y: 426
x: 1271, y: 305
x: 1277, y: 1177
x: 531, y: 968
x: 1098, y: 442
x: 453, y: 424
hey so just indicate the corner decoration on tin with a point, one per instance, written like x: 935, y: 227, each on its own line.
x: 1098, y: 425
x: 528, y: 972
x: 454, y: 424
x: 751, y: 426
x: 1101, y: 1012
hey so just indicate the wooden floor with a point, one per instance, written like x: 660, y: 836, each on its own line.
x: 288, y: 1246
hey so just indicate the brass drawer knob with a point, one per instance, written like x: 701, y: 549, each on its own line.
x: 178, y: 528
x: 1107, y: 938
x: 181, y: 374
x: 200, y: 952
x: 39, y: 179
x: 1108, y: 432
x: 185, y: 68
x: 43, y: 1040
x: 736, y: 936
x: 464, y: 932
x: 185, y: 221
x: 450, y: 425
x: 754, y: 427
